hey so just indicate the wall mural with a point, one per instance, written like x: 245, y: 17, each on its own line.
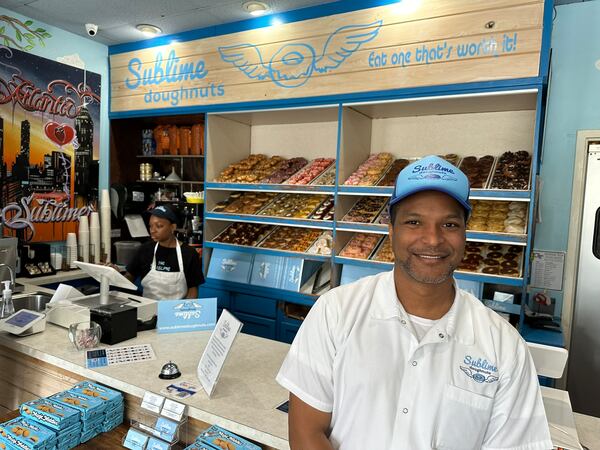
x: 49, y: 137
x: 21, y: 35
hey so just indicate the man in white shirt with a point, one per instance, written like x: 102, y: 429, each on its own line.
x: 406, y: 360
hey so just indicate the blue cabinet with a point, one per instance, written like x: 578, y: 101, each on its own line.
x: 286, y: 331
x: 223, y: 297
x: 257, y: 326
x: 252, y: 304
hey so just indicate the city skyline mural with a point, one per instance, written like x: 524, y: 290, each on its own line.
x: 49, y: 137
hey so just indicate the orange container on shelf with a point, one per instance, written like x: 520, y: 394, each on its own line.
x: 161, y: 136
x: 197, y: 139
x: 185, y: 140
x: 173, y: 140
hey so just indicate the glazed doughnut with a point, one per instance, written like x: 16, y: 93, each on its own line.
x: 509, y: 264
x: 492, y: 270
x: 495, y: 247
x: 494, y: 255
x: 515, y: 229
x: 491, y: 262
x: 509, y: 271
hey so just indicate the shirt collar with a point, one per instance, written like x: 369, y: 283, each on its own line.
x: 457, y: 323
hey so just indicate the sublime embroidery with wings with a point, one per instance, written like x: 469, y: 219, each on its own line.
x: 293, y: 64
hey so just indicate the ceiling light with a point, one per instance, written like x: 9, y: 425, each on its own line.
x: 148, y: 30
x: 255, y: 8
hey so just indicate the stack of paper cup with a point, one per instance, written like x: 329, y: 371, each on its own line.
x: 71, y: 250
x: 95, y: 247
x: 84, y: 239
x: 105, y: 224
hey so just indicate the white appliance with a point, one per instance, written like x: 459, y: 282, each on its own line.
x: 584, y: 365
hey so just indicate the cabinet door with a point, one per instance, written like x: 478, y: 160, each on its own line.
x: 287, y: 331
x: 223, y: 297
x: 257, y: 326
x: 251, y: 304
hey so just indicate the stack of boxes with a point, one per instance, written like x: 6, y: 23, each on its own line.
x: 64, y: 420
x: 217, y: 438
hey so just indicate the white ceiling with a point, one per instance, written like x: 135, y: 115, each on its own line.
x: 116, y: 19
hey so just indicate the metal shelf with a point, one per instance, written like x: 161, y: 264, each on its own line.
x: 266, y: 251
x: 170, y: 182
x: 296, y: 188
x: 308, y: 223
x: 170, y: 156
x: 475, y: 194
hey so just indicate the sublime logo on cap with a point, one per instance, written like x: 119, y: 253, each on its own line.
x: 162, y: 208
x: 434, y: 171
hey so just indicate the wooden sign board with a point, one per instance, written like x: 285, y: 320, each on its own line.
x: 402, y: 45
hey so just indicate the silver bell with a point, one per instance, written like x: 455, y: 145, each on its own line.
x: 169, y: 371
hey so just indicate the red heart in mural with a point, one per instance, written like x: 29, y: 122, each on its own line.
x: 59, y: 133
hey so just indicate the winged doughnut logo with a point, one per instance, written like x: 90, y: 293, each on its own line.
x: 293, y: 64
x: 477, y: 376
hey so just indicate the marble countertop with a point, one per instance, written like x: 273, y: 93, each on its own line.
x: 244, y: 399
x: 61, y: 276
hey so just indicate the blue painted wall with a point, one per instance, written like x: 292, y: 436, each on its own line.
x: 572, y: 106
x: 95, y: 56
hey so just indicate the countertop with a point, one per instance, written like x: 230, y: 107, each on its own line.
x: 59, y: 277
x: 245, y: 396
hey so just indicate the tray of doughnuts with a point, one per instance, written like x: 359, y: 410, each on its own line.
x: 291, y: 239
x: 361, y: 246
x: 325, y: 211
x: 250, y: 170
x: 365, y: 210
x: 370, y: 171
x: 498, y: 217
x: 248, y: 234
x: 311, y: 171
x: 327, y: 178
x: 244, y: 202
x: 389, y: 179
x: 323, y: 244
x: 477, y: 169
x: 384, y: 252
x: 284, y: 170
x: 493, y: 259
x: 293, y: 206
x: 512, y: 171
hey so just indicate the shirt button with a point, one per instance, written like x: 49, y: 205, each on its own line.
x: 414, y: 363
x: 441, y: 335
x: 405, y: 410
x: 403, y: 322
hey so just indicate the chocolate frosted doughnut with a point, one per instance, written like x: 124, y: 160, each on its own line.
x: 468, y: 267
x: 495, y: 247
x: 492, y: 270
x: 473, y: 257
x: 510, y: 256
x: 491, y: 262
x: 509, y: 271
x: 515, y: 249
x: 509, y: 264
x: 494, y: 255
x: 475, y: 250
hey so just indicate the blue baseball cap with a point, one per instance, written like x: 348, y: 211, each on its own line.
x: 432, y: 173
x: 164, y: 212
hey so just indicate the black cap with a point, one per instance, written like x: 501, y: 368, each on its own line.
x: 165, y: 212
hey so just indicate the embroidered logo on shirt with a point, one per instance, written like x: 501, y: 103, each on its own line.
x: 480, y: 370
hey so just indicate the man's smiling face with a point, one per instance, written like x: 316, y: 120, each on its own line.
x: 428, y: 236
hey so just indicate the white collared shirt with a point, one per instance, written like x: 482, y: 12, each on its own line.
x: 470, y: 383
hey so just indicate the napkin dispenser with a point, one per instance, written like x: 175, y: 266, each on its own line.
x: 118, y: 322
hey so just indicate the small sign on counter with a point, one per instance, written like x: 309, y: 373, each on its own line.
x: 217, y: 349
x: 176, y: 316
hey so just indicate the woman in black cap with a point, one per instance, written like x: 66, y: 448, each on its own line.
x: 169, y: 270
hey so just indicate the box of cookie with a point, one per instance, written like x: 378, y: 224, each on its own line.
x: 223, y: 439
x: 26, y: 434
x: 89, y: 407
x: 50, y: 414
x: 112, y: 398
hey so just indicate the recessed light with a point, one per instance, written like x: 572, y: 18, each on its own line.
x: 255, y: 8
x: 148, y: 30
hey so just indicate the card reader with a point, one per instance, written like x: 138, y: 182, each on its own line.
x: 24, y: 322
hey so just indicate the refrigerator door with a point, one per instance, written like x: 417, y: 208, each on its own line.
x: 584, y: 366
